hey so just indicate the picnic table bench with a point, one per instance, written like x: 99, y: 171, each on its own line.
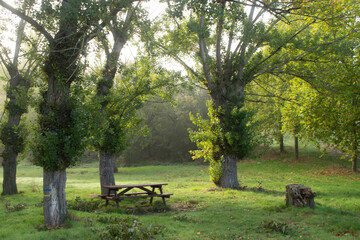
x: 147, y: 190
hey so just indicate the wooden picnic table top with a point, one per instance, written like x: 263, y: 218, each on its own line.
x: 135, y: 185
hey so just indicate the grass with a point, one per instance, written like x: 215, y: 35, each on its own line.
x: 199, y: 210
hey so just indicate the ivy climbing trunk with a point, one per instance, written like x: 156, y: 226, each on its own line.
x: 227, y: 155
x: 106, y: 170
x: 11, y: 151
x: 229, y: 177
x: 55, y: 210
x: 9, y: 167
x: 12, y: 135
x: 107, y: 155
x: 59, y: 141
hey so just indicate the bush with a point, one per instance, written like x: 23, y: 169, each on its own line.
x: 15, y: 207
x: 84, y: 205
x: 125, y: 228
x: 274, y: 226
x: 183, y: 218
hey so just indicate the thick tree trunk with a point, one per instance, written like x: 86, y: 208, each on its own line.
x: 296, y: 147
x: 9, y: 164
x: 229, y: 178
x: 299, y: 196
x: 106, y: 170
x: 55, y: 210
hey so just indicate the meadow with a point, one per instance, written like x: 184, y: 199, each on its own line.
x: 199, y: 210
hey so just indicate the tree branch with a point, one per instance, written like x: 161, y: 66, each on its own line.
x: 31, y: 21
x: 204, y: 54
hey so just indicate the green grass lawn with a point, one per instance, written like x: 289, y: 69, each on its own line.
x: 198, y: 210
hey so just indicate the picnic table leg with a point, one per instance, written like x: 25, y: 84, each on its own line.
x: 151, y: 199
x: 107, y: 201
x: 163, y: 198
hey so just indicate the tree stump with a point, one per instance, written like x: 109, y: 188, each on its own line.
x: 299, y: 196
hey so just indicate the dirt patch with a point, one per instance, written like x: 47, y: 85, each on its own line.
x: 187, y: 206
x: 336, y: 170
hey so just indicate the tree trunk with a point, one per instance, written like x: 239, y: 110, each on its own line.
x: 106, y: 170
x: 299, y: 196
x: 55, y: 210
x: 296, y: 144
x: 10, y: 159
x: 9, y: 164
x: 281, y: 141
x: 281, y: 137
x: 354, y: 163
x: 354, y: 159
x: 229, y: 178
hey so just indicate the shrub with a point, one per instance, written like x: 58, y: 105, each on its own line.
x: 125, y: 228
x: 84, y: 205
x: 15, y: 207
x: 274, y: 226
x: 183, y: 218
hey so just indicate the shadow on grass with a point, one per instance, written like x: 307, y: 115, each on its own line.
x: 264, y: 191
x: 334, y: 211
x: 341, y: 194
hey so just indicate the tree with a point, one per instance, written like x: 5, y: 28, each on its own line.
x: 67, y: 26
x: 121, y: 30
x: 228, y: 56
x: 13, y: 133
x: 136, y: 83
x: 326, y: 111
x: 118, y: 103
x: 266, y: 97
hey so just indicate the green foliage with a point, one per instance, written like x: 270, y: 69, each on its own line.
x: 183, y: 218
x: 274, y: 226
x: 14, y: 136
x: 15, y: 207
x: 224, y: 133
x: 60, y: 142
x: 19, y: 100
x: 125, y: 228
x: 216, y: 137
x: 265, y: 99
x: 136, y: 84
x: 84, y: 205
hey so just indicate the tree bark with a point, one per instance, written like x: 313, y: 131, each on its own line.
x: 106, y: 170
x: 354, y: 159
x: 9, y: 168
x: 281, y: 142
x: 296, y: 147
x: 299, y: 196
x: 55, y: 210
x: 354, y: 163
x: 229, y: 177
x: 10, y: 159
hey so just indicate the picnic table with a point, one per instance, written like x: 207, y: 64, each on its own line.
x: 149, y: 190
